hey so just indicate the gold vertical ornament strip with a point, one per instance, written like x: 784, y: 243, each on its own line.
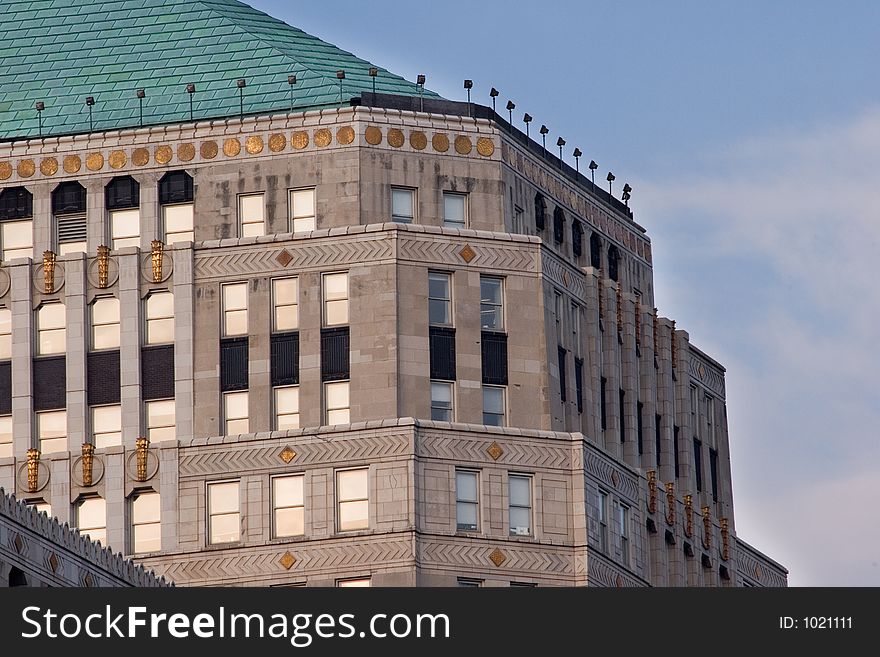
x: 652, y: 491
x: 142, y: 447
x: 707, y: 527
x: 88, y: 455
x: 619, y: 309
x: 103, y: 266
x: 49, y: 272
x: 725, y: 539
x: 670, y: 503
x: 33, y: 470
x: 157, y: 252
x: 688, y: 515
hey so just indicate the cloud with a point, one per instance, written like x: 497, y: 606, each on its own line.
x: 766, y: 252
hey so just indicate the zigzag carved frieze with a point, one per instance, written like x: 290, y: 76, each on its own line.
x: 605, y: 574
x: 603, y: 470
x: 430, y: 249
x: 224, y: 458
x: 538, y: 559
x: 762, y: 573
x: 553, y: 270
x: 707, y: 374
x: 515, y: 451
x: 263, y: 258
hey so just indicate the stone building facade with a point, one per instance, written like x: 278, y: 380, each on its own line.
x: 389, y: 343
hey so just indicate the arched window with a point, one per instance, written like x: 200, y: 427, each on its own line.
x: 577, y: 238
x: 123, y: 205
x: 558, y: 225
x: 613, y: 262
x: 540, y: 212
x: 69, y: 212
x: 595, y: 251
x: 16, y: 223
x: 17, y: 577
x: 176, y: 199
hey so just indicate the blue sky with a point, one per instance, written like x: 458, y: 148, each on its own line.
x: 750, y: 132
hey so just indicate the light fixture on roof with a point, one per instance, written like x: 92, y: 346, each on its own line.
x: 510, y: 107
x: 544, y: 130
x: 191, y: 90
x: 593, y: 167
x: 577, y: 159
x: 40, y: 106
x: 420, y: 80
x: 374, y: 73
x: 340, y: 75
x: 291, y: 82
x: 141, y: 94
x: 493, y: 94
x: 527, y: 118
x: 469, y: 84
x: 560, y: 142
x: 241, y: 83
x: 627, y: 194
x: 90, y: 102
x: 610, y: 179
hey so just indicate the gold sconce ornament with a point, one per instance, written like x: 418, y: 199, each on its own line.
x: 725, y: 539
x: 88, y: 458
x: 707, y: 527
x: 688, y: 515
x: 48, y: 272
x: 103, y: 266
x: 142, y: 447
x: 670, y: 503
x: 33, y: 470
x: 157, y: 248
x: 652, y: 491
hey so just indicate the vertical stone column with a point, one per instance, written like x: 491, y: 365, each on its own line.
x: 98, y: 230
x: 310, y: 393
x: 130, y: 344
x: 259, y: 330
x: 151, y: 220
x: 184, y: 329
x: 168, y: 490
x: 43, y: 220
x: 78, y: 339
x: 468, y: 354
x: 21, y: 305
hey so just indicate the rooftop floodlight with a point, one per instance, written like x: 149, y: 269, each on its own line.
x: 90, y: 102
x: 510, y: 107
x: 527, y: 118
x: 374, y: 73
x: 340, y: 75
x: 191, y: 90
x: 577, y: 159
x: 291, y: 81
x: 627, y: 194
x: 141, y: 94
x: 469, y: 84
x: 560, y: 142
x: 241, y: 84
x: 40, y: 106
x: 610, y: 179
x: 420, y: 80
x: 544, y: 130
x: 493, y: 94
x: 593, y: 167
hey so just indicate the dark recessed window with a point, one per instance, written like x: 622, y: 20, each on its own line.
x: 558, y: 225
x: 613, y: 261
x: 595, y: 251
x: 16, y: 203
x: 698, y: 464
x: 176, y: 187
x: 577, y: 238
x: 69, y: 198
x: 123, y: 193
x: 540, y: 212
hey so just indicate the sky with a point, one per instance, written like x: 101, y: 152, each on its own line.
x: 750, y: 133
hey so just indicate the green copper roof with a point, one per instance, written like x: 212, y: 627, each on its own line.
x: 61, y: 51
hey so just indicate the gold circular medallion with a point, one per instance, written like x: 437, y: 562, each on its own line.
x: 373, y: 135
x: 94, y: 161
x: 186, y: 152
x: 208, y: 150
x: 72, y: 164
x: 345, y: 135
x: 463, y: 145
x: 277, y: 142
x: 299, y: 140
x: 164, y: 154
x: 5, y: 170
x: 418, y: 140
x: 323, y: 137
x: 140, y: 157
x: 117, y: 159
x: 440, y: 143
x: 26, y: 168
x: 49, y: 166
x: 254, y: 144
x: 231, y: 147
x: 485, y: 146
x: 395, y: 138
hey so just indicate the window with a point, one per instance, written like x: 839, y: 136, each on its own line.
x: 224, y: 518
x: 441, y: 401
x: 51, y: 329
x: 125, y: 228
x: 160, y: 420
x: 403, y: 203
x: 577, y: 238
x: 540, y: 212
x: 658, y: 437
x: 491, y: 304
x: 518, y: 220
x: 467, y: 504
x: 557, y: 315
x: 558, y: 225
x: 710, y: 420
x: 288, y: 515
x: 613, y: 260
x: 352, y: 494
x: 698, y: 464
x: 5, y: 436
x: 235, y: 413
x: 91, y: 519
x: 622, y: 408
x: 439, y: 299
x: 105, y: 323
x: 235, y: 309
x: 146, y: 528
x: 106, y: 425
x: 16, y: 229
x: 603, y: 521
x: 302, y: 210
x: 493, y: 406
x: 52, y: 431
x: 285, y: 293
x: 603, y: 407
x: 694, y: 402
x: 69, y: 211
x: 160, y: 318
x: 576, y: 329
x: 639, y: 426
x: 520, y: 490
x: 454, y: 210
x: 623, y: 530
x: 530, y: 585
x: 336, y: 402
x: 251, y: 215
x: 5, y: 334
x: 335, y: 287
x: 713, y: 472
x: 286, y: 408
x: 176, y: 198
x: 359, y: 582
x: 469, y: 583
x: 675, y: 449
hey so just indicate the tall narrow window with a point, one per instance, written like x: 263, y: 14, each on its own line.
x: 675, y: 450
x: 558, y: 306
x: 285, y: 302
x: 16, y: 223
x: 520, y: 498
x: 439, y: 299
x: 603, y: 521
x: 235, y: 309
x: 52, y: 431
x: 710, y: 420
x: 146, y: 526
x: 91, y: 519
x: 603, y: 408
x: 160, y: 420
x: 713, y: 472
x: 467, y: 504
x: 69, y: 212
x: 491, y: 303
x: 176, y: 197
x: 288, y: 510
x: 302, y: 210
x: 224, y: 517
x: 454, y: 210
x: 403, y: 203
x: 6, y: 436
x: 558, y: 225
x: 106, y: 425
x: 352, y: 495
x: 51, y: 329
x: 595, y: 251
x: 621, y: 406
x: 698, y: 464
x: 235, y: 413
x: 613, y: 262
x: 5, y: 334
x: 441, y: 401
x: 335, y: 289
x: 694, y: 398
x: 286, y: 407
x: 639, y: 427
x: 623, y: 530
x: 576, y: 329
x: 123, y: 206
x: 336, y: 403
x: 493, y: 406
x: 105, y: 323
x: 251, y: 215
x: 658, y: 437
x: 540, y: 212
x: 577, y: 238
x: 519, y: 225
x: 160, y: 318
